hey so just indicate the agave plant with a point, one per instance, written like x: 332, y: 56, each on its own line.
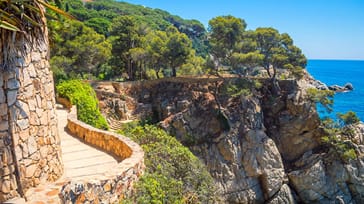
x: 22, y: 22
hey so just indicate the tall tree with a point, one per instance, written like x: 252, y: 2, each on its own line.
x: 225, y: 33
x: 78, y: 49
x: 179, y: 47
x: 127, y: 34
x: 278, y: 51
x: 157, y: 48
x: 267, y: 48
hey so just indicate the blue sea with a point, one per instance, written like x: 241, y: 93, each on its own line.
x: 341, y: 72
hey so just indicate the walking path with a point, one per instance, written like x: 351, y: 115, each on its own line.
x: 80, y: 160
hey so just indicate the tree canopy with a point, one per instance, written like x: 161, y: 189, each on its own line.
x: 127, y: 42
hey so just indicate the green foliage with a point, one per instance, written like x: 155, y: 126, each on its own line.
x: 348, y: 118
x: 143, y: 39
x: 324, y: 97
x: 84, y: 97
x: 179, y: 47
x: 335, y: 139
x: 225, y: 33
x: 77, y: 49
x: 240, y: 86
x: 278, y: 50
x: 174, y: 174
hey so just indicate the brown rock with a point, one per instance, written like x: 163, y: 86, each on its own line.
x: 32, y: 104
x: 24, y: 135
x: 26, y: 78
x: 107, y: 187
x: 4, y: 126
x: 3, y: 109
x: 30, y: 170
x: 5, y: 187
x: 81, y: 199
x: 227, y: 150
x: 52, y: 192
x: 44, y: 151
x: 6, y: 156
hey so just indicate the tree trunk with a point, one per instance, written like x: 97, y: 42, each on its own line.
x: 28, y: 121
x: 157, y: 73
x: 174, y: 72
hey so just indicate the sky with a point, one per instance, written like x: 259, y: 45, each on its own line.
x: 323, y: 29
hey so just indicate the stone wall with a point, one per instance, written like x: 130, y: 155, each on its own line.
x: 29, y: 142
x: 115, y: 184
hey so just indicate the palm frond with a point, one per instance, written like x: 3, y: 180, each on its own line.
x: 22, y: 21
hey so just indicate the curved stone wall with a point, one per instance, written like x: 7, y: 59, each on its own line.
x: 117, y: 183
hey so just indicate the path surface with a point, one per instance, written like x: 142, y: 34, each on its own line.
x: 81, y: 162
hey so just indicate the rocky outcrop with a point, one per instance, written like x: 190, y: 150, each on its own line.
x: 345, y: 88
x: 259, y: 147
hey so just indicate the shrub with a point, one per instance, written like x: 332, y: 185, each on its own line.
x: 173, y: 173
x: 348, y: 118
x: 324, y: 97
x: 84, y: 97
x: 238, y: 87
x: 335, y: 139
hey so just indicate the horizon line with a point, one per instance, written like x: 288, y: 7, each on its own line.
x: 347, y: 59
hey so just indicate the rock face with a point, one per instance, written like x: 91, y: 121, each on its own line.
x: 259, y: 148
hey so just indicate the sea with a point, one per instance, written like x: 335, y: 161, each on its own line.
x: 341, y: 72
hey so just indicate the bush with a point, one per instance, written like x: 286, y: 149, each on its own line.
x: 348, y: 118
x: 84, y: 97
x: 324, y: 97
x: 173, y: 173
x: 335, y: 139
x: 240, y: 86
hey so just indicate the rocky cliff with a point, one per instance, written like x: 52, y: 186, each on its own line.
x: 259, y: 147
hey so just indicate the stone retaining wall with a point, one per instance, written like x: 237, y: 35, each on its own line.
x: 117, y: 183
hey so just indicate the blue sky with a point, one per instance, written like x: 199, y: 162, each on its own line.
x: 323, y: 29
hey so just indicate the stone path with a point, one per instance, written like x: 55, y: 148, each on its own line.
x: 81, y: 162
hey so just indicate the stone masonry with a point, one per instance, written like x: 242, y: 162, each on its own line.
x: 29, y: 142
x: 115, y: 184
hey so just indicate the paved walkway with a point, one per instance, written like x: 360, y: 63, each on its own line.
x: 80, y: 160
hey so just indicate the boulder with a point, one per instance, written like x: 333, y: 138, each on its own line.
x: 349, y: 86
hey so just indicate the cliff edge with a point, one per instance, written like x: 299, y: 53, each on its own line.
x: 258, y: 146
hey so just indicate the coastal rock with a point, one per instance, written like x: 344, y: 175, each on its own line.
x: 258, y: 147
x: 337, y: 88
x: 349, y: 86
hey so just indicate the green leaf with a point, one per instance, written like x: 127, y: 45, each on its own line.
x: 8, y: 26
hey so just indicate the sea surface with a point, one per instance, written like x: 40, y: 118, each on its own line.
x: 341, y: 72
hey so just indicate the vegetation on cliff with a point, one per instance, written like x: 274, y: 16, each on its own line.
x: 336, y: 133
x: 173, y: 173
x: 84, y: 97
